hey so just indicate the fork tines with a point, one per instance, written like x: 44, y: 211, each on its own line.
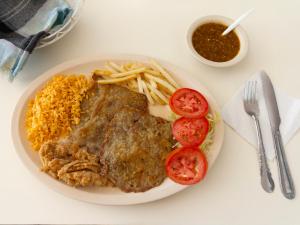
x: 250, y: 91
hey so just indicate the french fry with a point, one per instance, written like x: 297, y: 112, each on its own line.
x: 153, y: 72
x: 152, y: 79
x: 158, y: 93
x: 130, y: 72
x: 137, y: 65
x: 116, y: 80
x: 128, y: 66
x: 169, y: 87
x: 147, y: 93
x: 132, y: 84
x: 164, y: 73
x: 123, y: 68
x: 118, y: 68
x: 157, y: 99
x: 140, y: 85
x: 163, y: 89
x: 153, y: 84
x: 102, y: 72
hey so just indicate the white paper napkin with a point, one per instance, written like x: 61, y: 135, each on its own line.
x: 235, y: 116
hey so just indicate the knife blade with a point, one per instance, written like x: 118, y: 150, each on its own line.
x: 271, y: 102
x: 285, y: 178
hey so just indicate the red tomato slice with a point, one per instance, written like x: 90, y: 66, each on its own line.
x: 186, y: 165
x: 190, y: 131
x: 189, y: 103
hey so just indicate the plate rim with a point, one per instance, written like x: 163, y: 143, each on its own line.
x: 76, y: 193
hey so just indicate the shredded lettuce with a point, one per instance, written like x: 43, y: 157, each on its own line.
x: 172, y: 116
x: 213, y: 119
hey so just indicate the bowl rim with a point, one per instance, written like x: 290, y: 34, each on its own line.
x: 241, y: 33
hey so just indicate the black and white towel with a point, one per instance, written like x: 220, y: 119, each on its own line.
x: 22, y: 24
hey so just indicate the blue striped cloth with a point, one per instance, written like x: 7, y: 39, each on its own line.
x: 22, y: 24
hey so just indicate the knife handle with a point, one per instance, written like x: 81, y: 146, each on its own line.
x: 265, y: 175
x: 285, y: 178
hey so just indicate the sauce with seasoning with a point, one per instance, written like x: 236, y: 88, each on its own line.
x: 210, y: 44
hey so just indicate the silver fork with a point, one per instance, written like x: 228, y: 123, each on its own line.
x: 252, y: 109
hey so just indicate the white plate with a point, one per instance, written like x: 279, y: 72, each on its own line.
x: 107, y: 196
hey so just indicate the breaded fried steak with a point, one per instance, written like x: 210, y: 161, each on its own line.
x: 134, y: 150
x: 117, y: 142
x: 111, y: 98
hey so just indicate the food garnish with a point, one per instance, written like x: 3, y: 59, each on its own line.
x: 186, y: 165
x: 190, y: 131
x: 213, y: 119
x: 189, y: 103
x: 150, y: 79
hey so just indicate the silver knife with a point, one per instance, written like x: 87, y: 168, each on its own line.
x: 285, y: 178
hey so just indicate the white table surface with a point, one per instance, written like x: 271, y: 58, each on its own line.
x: 231, y: 193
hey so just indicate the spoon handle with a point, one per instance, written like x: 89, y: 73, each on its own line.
x: 237, y: 22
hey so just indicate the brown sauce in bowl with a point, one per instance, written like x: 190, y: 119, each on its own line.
x: 208, y: 41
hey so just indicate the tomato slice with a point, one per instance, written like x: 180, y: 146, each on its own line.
x: 190, y: 131
x: 186, y: 165
x: 189, y: 103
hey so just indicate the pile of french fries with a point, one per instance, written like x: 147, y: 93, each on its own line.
x: 152, y: 79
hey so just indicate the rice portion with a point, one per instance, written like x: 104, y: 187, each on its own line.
x: 55, y: 108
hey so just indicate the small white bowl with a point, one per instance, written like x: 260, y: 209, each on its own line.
x: 226, y: 21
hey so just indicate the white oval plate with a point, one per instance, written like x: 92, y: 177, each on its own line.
x: 99, y: 195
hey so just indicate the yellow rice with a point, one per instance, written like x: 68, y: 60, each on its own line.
x: 55, y: 108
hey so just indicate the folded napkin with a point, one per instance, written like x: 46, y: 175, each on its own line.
x: 22, y: 24
x: 235, y: 116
